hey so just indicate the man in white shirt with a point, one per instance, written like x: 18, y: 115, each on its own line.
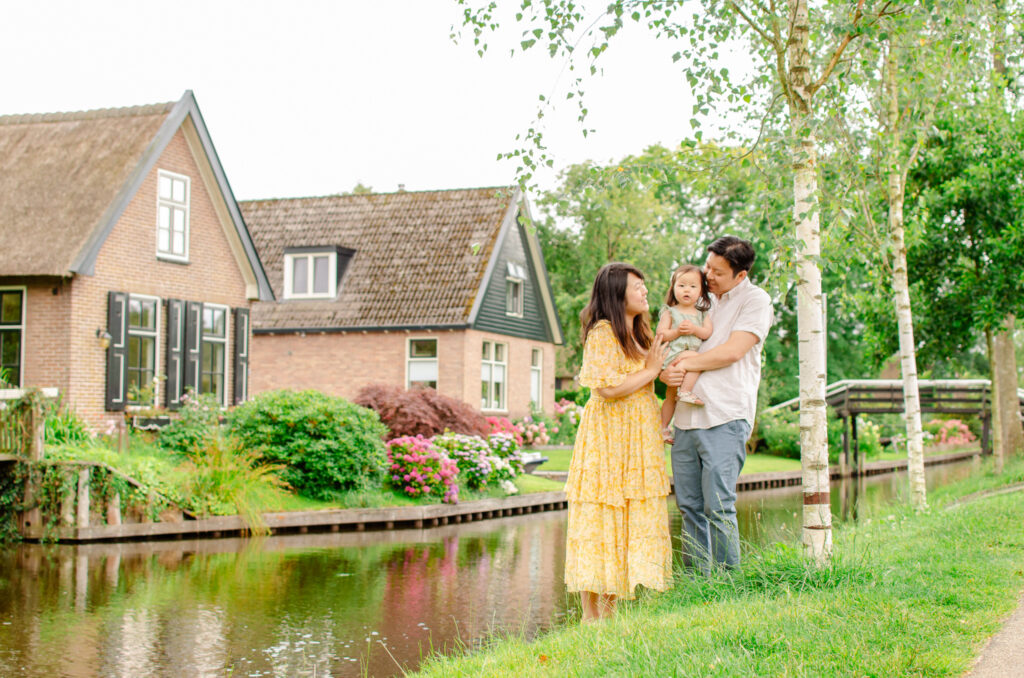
x: 709, y: 448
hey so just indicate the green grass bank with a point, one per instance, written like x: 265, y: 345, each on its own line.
x: 905, y: 595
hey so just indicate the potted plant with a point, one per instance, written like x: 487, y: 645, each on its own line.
x: 144, y: 414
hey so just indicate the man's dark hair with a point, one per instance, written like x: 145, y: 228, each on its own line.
x: 738, y: 252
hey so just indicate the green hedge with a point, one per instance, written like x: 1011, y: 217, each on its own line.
x: 327, y: 445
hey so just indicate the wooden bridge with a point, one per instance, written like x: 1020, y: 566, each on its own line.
x: 852, y: 397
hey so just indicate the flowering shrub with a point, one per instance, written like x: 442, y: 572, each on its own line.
x: 505, y: 446
x: 198, y: 420
x: 503, y: 425
x: 954, y: 432
x: 568, y: 416
x: 472, y: 454
x: 535, y: 431
x: 419, y: 469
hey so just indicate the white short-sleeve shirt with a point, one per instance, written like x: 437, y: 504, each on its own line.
x: 730, y: 393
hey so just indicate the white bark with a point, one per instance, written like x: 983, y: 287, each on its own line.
x: 817, y: 514
x: 901, y: 295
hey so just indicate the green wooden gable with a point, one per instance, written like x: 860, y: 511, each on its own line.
x: 514, y: 258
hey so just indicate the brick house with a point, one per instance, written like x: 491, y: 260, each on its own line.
x: 124, y: 257
x: 442, y: 289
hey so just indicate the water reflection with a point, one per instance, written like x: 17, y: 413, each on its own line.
x: 336, y: 604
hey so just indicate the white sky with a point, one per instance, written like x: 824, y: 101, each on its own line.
x: 310, y: 97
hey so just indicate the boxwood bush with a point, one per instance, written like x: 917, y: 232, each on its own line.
x: 327, y: 445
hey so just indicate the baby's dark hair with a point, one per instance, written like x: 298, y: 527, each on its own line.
x: 703, y: 301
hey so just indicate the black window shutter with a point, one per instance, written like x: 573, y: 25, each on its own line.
x: 175, y: 352
x: 193, y: 345
x: 117, y: 352
x: 240, y: 369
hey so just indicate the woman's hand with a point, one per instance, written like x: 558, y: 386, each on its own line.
x: 656, y: 354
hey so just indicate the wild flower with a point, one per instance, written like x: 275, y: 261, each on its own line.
x: 508, y: 486
x: 420, y: 469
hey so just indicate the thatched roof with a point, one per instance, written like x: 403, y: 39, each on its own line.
x: 66, y: 178
x: 420, y: 256
x: 59, y: 172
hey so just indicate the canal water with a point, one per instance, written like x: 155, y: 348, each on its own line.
x: 332, y: 604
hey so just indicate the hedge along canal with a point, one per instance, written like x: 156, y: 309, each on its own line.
x: 333, y: 603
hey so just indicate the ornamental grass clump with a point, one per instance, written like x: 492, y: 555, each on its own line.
x: 419, y: 469
x: 476, y: 461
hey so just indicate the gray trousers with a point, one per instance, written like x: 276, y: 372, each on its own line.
x: 705, y: 466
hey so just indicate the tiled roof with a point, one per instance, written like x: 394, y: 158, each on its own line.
x: 59, y: 173
x: 420, y: 256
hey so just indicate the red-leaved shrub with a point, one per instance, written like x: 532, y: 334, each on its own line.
x: 422, y: 412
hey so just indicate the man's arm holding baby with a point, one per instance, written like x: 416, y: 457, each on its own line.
x: 734, y: 348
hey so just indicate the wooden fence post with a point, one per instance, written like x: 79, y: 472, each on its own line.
x: 83, y: 498
x: 35, y: 430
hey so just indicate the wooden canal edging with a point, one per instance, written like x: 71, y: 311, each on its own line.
x: 761, y: 481
x: 333, y: 520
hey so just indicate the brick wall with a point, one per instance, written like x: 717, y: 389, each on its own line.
x: 342, y: 363
x: 127, y: 262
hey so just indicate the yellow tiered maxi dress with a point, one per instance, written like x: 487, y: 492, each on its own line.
x: 618, y: 534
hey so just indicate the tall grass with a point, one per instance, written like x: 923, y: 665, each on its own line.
x: 226, y: 479
x: 906, y: 595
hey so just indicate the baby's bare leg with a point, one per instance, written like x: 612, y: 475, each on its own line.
x: 689, y: 381
x: 668, y: 407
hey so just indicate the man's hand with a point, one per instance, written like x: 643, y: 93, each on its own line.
x: 674, y: 373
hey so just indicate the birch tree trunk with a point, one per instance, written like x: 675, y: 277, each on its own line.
x: 901, y: 291
x: 817, y: 514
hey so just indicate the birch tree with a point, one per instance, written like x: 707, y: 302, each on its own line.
x: 903, y: 78
x: 789, y: 67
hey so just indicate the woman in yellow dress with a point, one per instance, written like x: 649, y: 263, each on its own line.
x: 618, y: 536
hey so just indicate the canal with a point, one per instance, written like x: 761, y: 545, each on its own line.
x: 331, y: 604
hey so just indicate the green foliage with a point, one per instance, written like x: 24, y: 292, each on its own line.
x: 325, y: 444
x: 11, y: 489
x: 580, y: 395
x: 196, y: 426
x: 227, y: 479
x: 779, y: 433
x: 64, y: 426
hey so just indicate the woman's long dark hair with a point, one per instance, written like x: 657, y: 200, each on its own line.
x: 703, y: 301
x: 608, y: 302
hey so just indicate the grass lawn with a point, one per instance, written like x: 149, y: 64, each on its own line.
x: 558, y: 460
x: 912, y: 594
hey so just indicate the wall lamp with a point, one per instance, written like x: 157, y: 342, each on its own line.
x: 104, y: 338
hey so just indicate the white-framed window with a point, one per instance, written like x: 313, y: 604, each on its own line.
x: 213, y: 355
x: 311, y: 275
x: 143, y: 340
x: 536, y: 372
x: 493, y: 370
x: 12, y: 333
x: 172, y: 212
x: 515, y: 283
x: 421, y: 364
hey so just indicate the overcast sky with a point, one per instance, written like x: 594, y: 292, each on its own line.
x: 310, y: 97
